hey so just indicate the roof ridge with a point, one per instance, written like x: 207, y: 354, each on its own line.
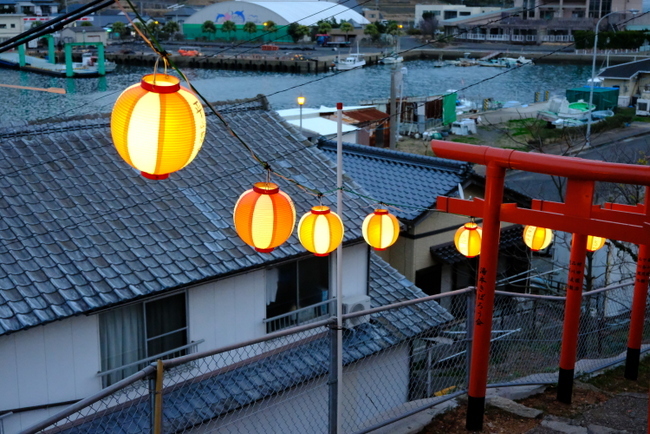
x: 396, y: 156
x: 102, y: 120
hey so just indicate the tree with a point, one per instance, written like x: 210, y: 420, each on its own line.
x: 371, y: 30
x: 86, y: 24
x: 153, y: 28
x: 210, y: 28
x: 170, y: 28
x: 324, y: 27
x: 228, y: 27
x: 120, y: 29
x: 300, y: 32
x: 429, y: 24
x: 270, y: 27
x: 346, y: 28
x: 394, y: 29
x: 250, y: 28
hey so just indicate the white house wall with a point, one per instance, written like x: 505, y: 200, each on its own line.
x: 355, y: 270
x: 54, y: 363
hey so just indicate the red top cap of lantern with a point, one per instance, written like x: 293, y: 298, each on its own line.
x: 265, y: 188
x: 320, y: 210
x: 160, y: 83
x: 381, y: 211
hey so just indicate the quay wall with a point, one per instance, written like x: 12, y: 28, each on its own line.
x: 270, y: 63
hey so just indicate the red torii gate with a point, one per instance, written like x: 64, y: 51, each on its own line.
x: 576, y: 215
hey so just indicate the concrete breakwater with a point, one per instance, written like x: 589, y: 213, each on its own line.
x: 248, y: 62
x: 303, y: 65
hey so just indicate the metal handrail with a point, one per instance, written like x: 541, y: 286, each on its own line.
x: 149, y: 359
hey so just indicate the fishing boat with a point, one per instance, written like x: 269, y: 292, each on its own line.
x: 577, y: 110
x: 353, y: 61
x: 391, y: 59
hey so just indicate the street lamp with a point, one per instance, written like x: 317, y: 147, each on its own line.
x: 301, y: 102
x: 593, y: 70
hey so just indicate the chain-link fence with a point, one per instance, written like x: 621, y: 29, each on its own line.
x: 397, y: 360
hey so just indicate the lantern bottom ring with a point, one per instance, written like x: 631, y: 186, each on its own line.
x: 156, y: 177
x: 264, y: 250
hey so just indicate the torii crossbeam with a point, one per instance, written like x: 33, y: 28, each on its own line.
x: 576, y: 215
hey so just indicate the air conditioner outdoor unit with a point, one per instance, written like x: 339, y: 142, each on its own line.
x: 354, y: 304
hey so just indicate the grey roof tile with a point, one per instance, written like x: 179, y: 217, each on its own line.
x: 412, y: 181
x: 83, y: 231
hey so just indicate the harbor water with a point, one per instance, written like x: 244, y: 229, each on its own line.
x: 97, y: 95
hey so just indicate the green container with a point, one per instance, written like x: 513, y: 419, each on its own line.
x: 605, y: 98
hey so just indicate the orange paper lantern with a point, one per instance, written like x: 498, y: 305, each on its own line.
x: 264, y: 216
x: 537, y: 238
x: 158, y: 126
x: 468, y: 239
x: 380, y: 229
x: 595, y: 243
x: 320, y: 231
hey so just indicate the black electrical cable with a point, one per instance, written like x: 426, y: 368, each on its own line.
x: 54, y: 24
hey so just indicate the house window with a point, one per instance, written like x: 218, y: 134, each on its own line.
x: 140, y: 331
x: 295, y: 287
x: 13, y: 26
x: 3, y: 26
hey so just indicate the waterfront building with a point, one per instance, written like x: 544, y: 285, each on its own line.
x: 282, y: 13
x: 16, y: 16
x: 447, y: 12
x: 537, y: 21
x: 84, y: 34
x: 631, y: 78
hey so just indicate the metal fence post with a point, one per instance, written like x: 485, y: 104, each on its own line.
x: 158, y: 409
x: 155, y: 397
x: 333, y: 378
x: 469, y: 337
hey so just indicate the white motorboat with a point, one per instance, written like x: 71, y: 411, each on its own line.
x: 353, y: 61
x: 392, y: 59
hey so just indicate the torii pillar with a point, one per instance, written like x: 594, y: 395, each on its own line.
x: 577, y: 216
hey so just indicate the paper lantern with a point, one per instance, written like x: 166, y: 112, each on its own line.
x: 264, y: 216
x: 320, y: 230
x: 158, y: 126
x: 380, y: 229
x: 468, y: 239
x: 537, y: 238
x: 595, y: 243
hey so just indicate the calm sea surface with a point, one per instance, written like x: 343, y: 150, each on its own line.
x: 94, y: 95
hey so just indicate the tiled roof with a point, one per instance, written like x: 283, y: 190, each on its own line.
x: 626, y: 70
x: 196, y: 401
x: 411, y: 182
x: 447, y: 252
x: 80, y: 230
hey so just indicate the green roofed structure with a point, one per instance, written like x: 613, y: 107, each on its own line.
x: 605, y: 98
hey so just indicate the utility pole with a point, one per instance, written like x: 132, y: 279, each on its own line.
x: 395, y: 78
